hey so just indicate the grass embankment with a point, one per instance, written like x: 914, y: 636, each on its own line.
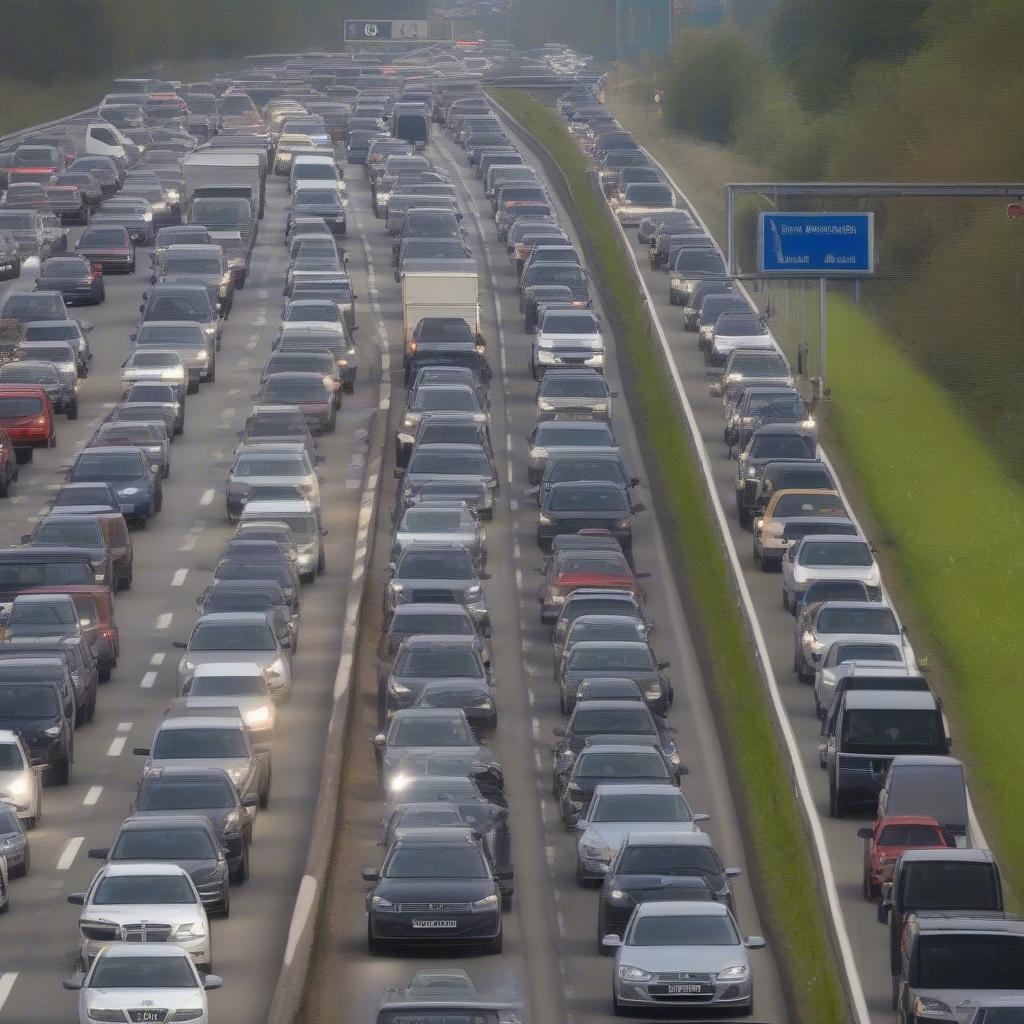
x: 948, y: 511
x: 778, y: 849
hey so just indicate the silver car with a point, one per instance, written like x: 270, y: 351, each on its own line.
x: 551, y: 437
x: 574, y: 394
x: 241, y: 685
x: 232, y: 637
x: 257, y: 464
x: 857, y: 656
x: 567, y: 338
x: 828, y: 557
x: 20, y: 786
x: 303, y: 521
x: 683, y: 955
x: 442, y: 521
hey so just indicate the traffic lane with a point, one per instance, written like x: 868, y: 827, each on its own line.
x: 173, y: 558
x: 706, y: 787
x: 845, y: 850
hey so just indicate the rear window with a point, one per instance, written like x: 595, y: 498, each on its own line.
x: 13, y: 406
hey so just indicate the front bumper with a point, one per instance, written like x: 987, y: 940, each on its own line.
x: 658, y: 993
x: 399, y: 926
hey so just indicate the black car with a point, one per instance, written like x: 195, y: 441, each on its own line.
x: 320, y: 202
x: 108, y: 245
x: 209, y: 792
x: 188, y: 840
x: 86, y: 182
x: 62, y: 391
x: 425, y: 659
x: 78, y: 659
x: 138, y: 488
x: 67, y: 203
x: 10, y: 256
x: 587, y: 504
x: 35, y: 710
x: 75, y: 277
x: 631, y: 659
x: 436, y: 887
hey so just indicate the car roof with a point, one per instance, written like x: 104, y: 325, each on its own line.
x: 216, y: 721
x: 635, y: 788
x: 227, y: 668
x: 970, y: 921
x: 439, y: 640
x: 167, y: 821
x: 971, y: 855
x: 909, y: 700
x: 232, y: 616
x: 150, y: 868
x: 681, y: 908
x: 667, y: 839
x: 855, y: 605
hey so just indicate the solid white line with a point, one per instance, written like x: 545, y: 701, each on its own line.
x: 303, y: 905
x: 206, y: 498
x: 6, y: 984
x: 70, y: 851
x: 163, y: 621
x: 179, y: 577
x: 92, y: 797
x: 148, y: 680
x: 116, y: 747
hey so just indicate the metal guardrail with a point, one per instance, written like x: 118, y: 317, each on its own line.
x: 15, y: 139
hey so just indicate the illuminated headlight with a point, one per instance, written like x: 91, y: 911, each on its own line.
x: 53, y: 730
x: 618, y: 894
x: 173, y: 195
x: 473, y: 591
x: 257, y: 716
x: 539, y: 453
x: 751, y: 472
x: 175, y: 373
x: 674, y: 758
x: 627, y: 973
x: 127, y: 492
x: 383, y: 197
x: 379, y: 903
x: 623, y: 524
x: 204, y: 356
x: 808, y: 424
x: 738, y: 972
x: 545, y: 355
x: 17, y: 787
x: 160, y: 206
x: 147, y: 216
x: 487, y: 903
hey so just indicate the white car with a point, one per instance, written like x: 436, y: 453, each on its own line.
x: 145, y: 903
x: 142, y: 982
x: 20, y: 786
x: 154, y: 365
x: 236, y: 684
x: 859, y: 656
x: 567, y: 338
x: 828, y: 557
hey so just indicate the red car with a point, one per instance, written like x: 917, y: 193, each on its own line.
x: 587, y: 561
x: 26, y: 413
x: 888, y: 838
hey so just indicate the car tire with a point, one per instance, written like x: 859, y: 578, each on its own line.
x: 506, y: 902
x: 166, y: 472
x: 321, y: 563
x: 265, y: 792
x: 193, y: 387
x: 225, y: 905
x: 73, y: 410
x: 746, y: 517
x: 5, y: 486
x: 61, y: 774
x: 27, y: 866
x: 492, y: 947
x: 241, y: 873
x: 617, y: 1008
x: 785, y: 599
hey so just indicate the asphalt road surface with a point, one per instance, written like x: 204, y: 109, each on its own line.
x: 174, y: 557
x: 550, y: 934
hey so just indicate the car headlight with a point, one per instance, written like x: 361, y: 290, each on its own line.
x: 808, y: 424
x: 487, y: 903
x: 18, y: 787
x: 738, y: 972
x: 257, y: 716
x: 627, y: 973
x: 127, y: 492
x: 674, y: 758
x: 652, y: 690
x: 396, y: 588
x: 379, y: 903
x: 624, y: 523
x: 147, y: 216
x: 397, y: 689
x: 473, y: 591
x: 189, y: 930
x: 594, y: 852
x: 173, y: 195
x: 539, y: 453
x: 545, y: 520
x: 204, y: 356
x: 751, y: 472
x: 618, y: 894
x: 927, y: 1004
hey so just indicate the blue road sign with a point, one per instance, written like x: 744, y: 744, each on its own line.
x: 816, y: 244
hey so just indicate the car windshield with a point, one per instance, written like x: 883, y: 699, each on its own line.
x: 668, y: 860
x: 560, y: 273
x: 41, y: 619
x: 612, y: 722
x: 950, y: 885
x: 685, y: 930
x: 567, y: 498
x: 910, y: 835
x: 589, y: 386
x: 10, y: 760
x: 667, y: 806
x: 317, y: 196
x: 156, y: 359
x: 739, y: 324
x: 58, y: 330
x: 174, y: 795
x: 115, y: 466
x: 317, y: 312
x: 781, y: 446
x: 26, y: 701
x: 561, y: 324
x: 792, y: 506
x: 970, y: 961
x: 776, y: 408
x: 232, y: 636
x: 890, y: 731
x: 431, y: 732
x: 121, y: 889
x: 866, y: 652
x: 54, y: 353
x: 698, y: 261
x: 172, y: 844
x: 611, y: 658
x: 29, y: 373
x: 449, y: 464
x: 758, y: 364
x: 649, y: 195
x: 32, y: 306
x: 439, y: 664
x: 438, y: 862
x: 178, y: 307
x: 424, y: 789
x: 595, y: 562
x: 447, y: 564
x: 824, y: 552
x: 858, y: 620
x: 268, y: 465
x: 455, y: 623
x: 583, y: 468
x: 621, y: 765
x: 82, y: 533
x: 154, y: 334
x: 210, y: 741
x: 227, y: 686
x: 598, y: 606
x: 143, y: 972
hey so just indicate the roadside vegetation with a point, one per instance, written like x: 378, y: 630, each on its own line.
x: 925, y: 372
x: 778, y: 846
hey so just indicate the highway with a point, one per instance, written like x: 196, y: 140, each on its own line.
x: 550, y: 934
x: 174, y: 557
x: 845, y: 850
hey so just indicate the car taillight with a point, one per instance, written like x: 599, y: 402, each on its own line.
x: 40, y: 421
x: 108, y: 632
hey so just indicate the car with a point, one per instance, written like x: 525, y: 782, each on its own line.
x: 40, y: 333
x: 437, y: 571
x: 627, y: 718
x: 825, y: 556
x: 220, y: 637
x: 61, y: 354
x: 609, y: 762
x: 88, y: 533
x: 619, y: 809
x: 217, y: 738
x: 768, y: 444
x: 239, y: 685
x: 87, y: 498
x: 87, y: 184
x: 76, y: 278
x: 688, y: 267
x: 159, y: 400
x: 108, y: 245
x: 575, y: 466
x: 187, y: 338
x: 135, y: 483
x: 698, y: 942
x: 43, y: 717
x: 850, y: 657
x: 747, y: 367
x: 441, y: 522
x: 130, y: 979
x: 62, y: 389
x: 164, y: 302
x: 439, y: 398
x: 586, y: 660
x: 423, y: 659
x: 436, y: 886
x: 890, y: 836
x: 308, y: 391
x: 583, y: 564
x: 206, y: 791
x: 453, y: 463
x: 427, y: 730
x: 133, y: 213
x: 203, y: 264
x: 20, y: 786
x: 253, y: 595
x: 301, y: 518
x: 573, y: 394
x: 161, y: 897
x: 10, y: 257
x: 431, y: 619
x: 320, y: 361
x: 567, y: 338
x: 153, y: 365
x: 657, y: 866
x: 244, y: 559
x: 569, y: 507
x: 820, y: 625
x: 258, y: 464
x: 149, y: 436
x: 551, y: 437
x: 786, y: 507
x: 758, y: 405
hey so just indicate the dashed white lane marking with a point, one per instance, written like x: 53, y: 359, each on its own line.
x: 92, y: 796
x: 252, y: 344
x: 148, y: 680
x: 513, y: 505
x: 243, y: 364
x: 163, y: 621
x: 124, y: 726
x: 116, y: 748
x: 158, y: 658
x: 509, y: 474
x: 6, y: 984
x: 519, y: 579
x: 179, y: 577
x: 206, y: 498
x: 70, y: 851
x: 226, y: 414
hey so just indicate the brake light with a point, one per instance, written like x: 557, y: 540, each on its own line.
x: 40, y: 421
x: 108, y: 632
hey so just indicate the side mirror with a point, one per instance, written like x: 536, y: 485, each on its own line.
x: 180, y: 644
x: 611, y: 942
x: 370, y: 875
x: 559, y: 731
x: 864, y: 833
x: 251, y: 800
x: 634, y: 481
x: 504, y: 874
x: 212, y: 981
x: 754, y: 942
x: 99, y: 853
x: 379, y: 740
x: 733, y: 872
x: 141, y: 751
x: 77, y: 898
x: 664, y: 664
x: 74, y: 983
x: 701, y: 817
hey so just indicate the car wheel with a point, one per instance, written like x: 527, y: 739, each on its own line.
x: 321, y: 562
x: 241, y: 873
x: 616, y: 1005
x: 62, y: 772
x: 746, y: 517
x: 265, y: 792
x: 493, y: 946
x: 166, y: 471
x: 506, y: 901
x: 785, y: 599
x: 26, y: 867
x: 193, y: 386
x: 5, y: 485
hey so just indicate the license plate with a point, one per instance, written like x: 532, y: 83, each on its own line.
x: 147, y: 1016
x: 435, y: 924
x: 685, y: 990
